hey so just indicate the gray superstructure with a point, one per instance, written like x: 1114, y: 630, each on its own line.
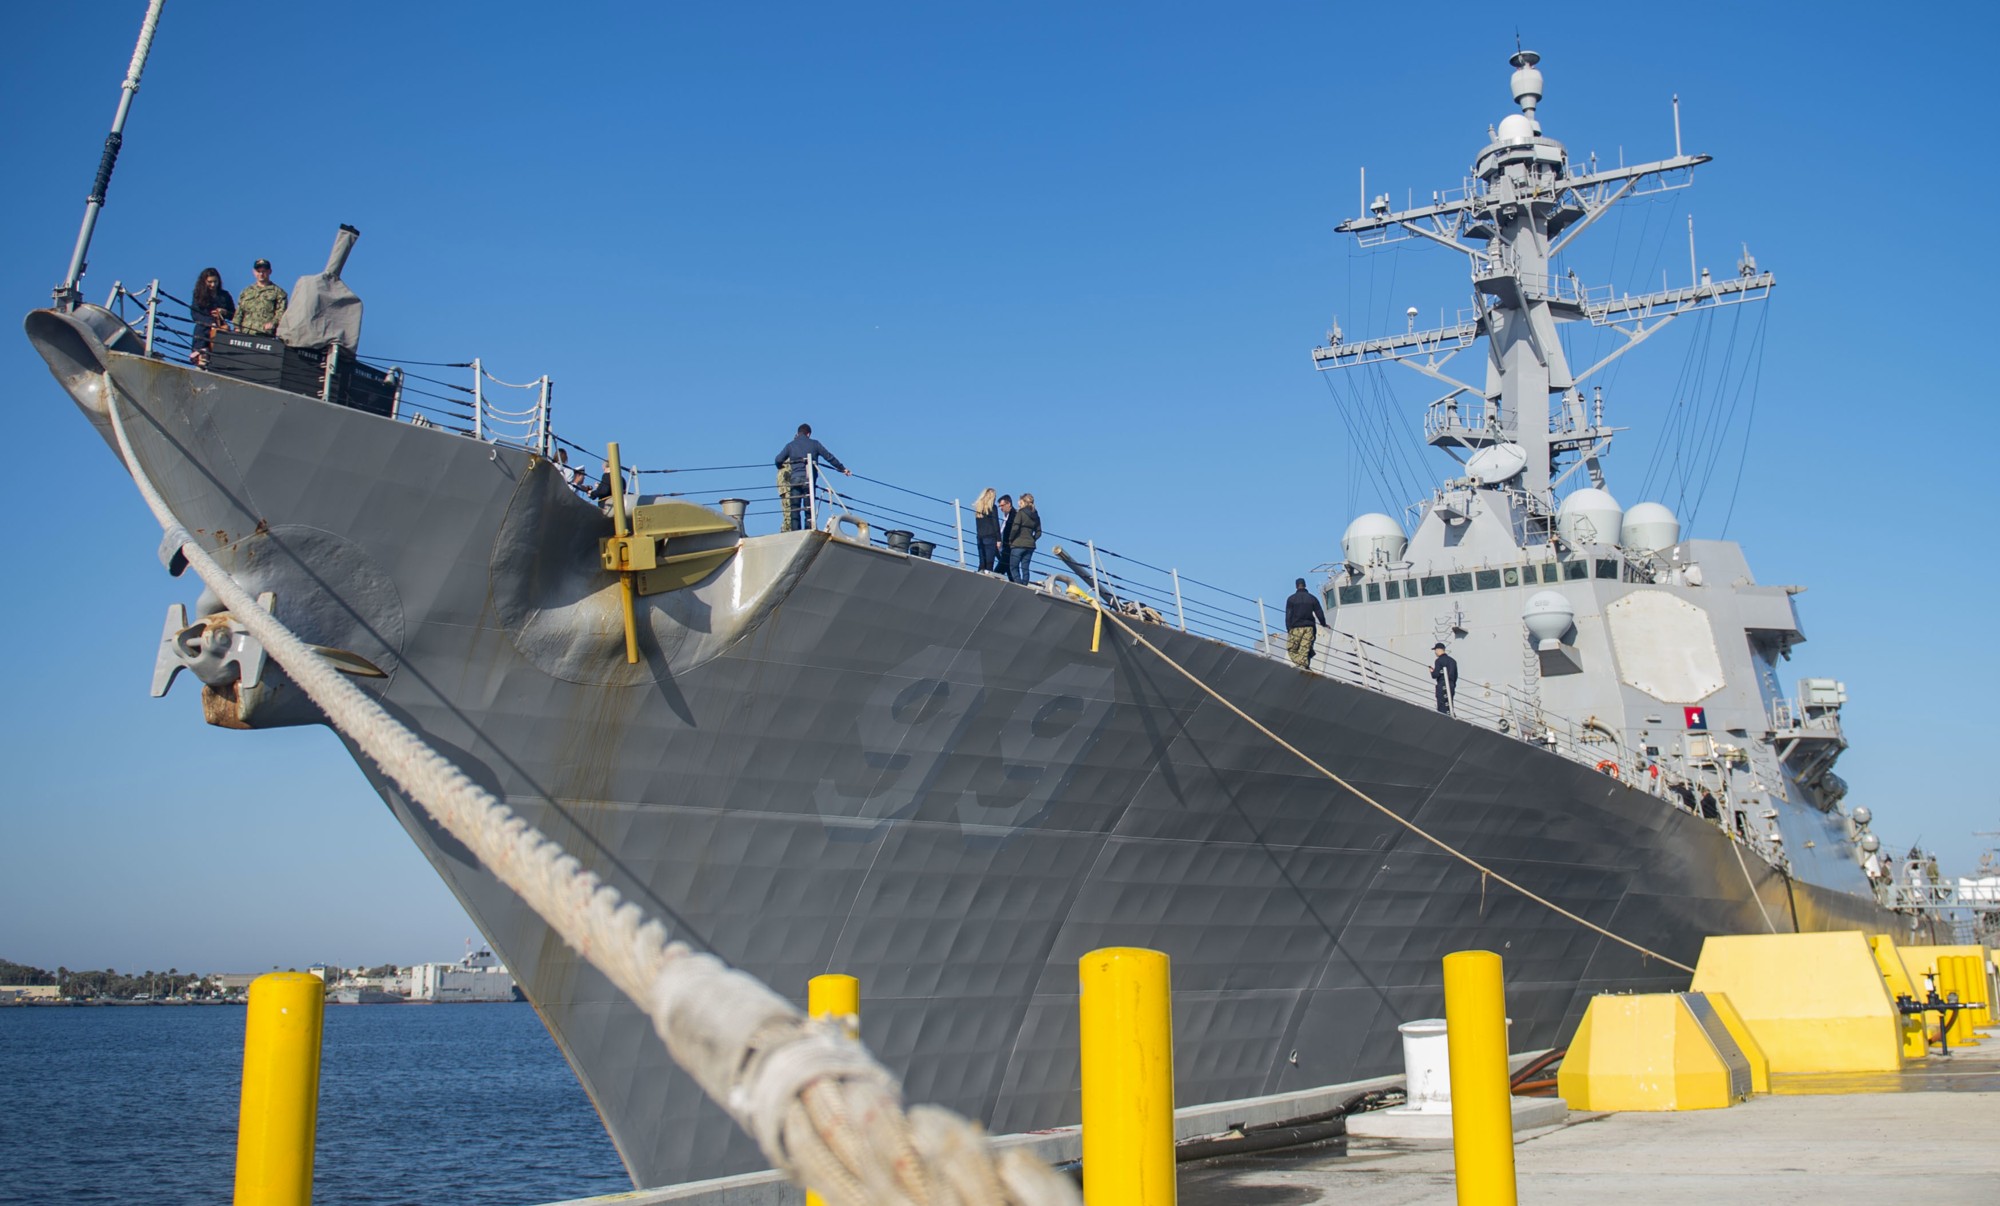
x: 832, y: 755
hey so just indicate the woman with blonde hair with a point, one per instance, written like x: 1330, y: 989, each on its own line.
x: 988, y: 526
x: 1026, y: 529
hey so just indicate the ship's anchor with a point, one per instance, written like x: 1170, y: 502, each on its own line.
x: 641, y: 553
x: 222, y: 653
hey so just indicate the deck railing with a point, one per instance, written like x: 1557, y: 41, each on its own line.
x: 1154, y: 593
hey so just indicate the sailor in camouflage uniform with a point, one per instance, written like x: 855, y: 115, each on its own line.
x: 261, y: 306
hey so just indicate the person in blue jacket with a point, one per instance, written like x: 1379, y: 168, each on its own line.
x: 797, y: 455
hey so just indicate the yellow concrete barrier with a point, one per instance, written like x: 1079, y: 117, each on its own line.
x: 834, y: 996
x: 1482, y: 1104
x: 1964, y: 981
x: 1814, y: 1002
x: 1897, y: 979
x: 280, y: 1102
x: 1746, y: 1042
x: 1128, y: 1078
x: 1652, y: 1051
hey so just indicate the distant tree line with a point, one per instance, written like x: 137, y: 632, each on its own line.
x: 109, y: 983
x: 12, y: 974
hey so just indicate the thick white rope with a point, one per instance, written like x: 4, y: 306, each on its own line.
x: 821, y: 1107
x: 1768, y: 923
x: 1378, y: 806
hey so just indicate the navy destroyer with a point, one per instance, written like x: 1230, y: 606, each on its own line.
x: 834, y: 749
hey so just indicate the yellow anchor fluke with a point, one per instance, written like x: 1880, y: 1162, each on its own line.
x: 649, y: 550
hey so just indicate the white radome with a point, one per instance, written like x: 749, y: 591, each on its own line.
x: 1371, y: 536
x: 1648, y: 528
x: 1589, y: 516
x: 1517, y: 127
x: 1548, y: 615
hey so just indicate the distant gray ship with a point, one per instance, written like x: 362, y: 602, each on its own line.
x: 832, y: 754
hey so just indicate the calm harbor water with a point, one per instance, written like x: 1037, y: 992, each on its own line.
x: 418, y: 1104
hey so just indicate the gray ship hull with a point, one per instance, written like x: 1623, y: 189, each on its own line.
x: 838, y: 758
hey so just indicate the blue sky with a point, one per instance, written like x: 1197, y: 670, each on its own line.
x: 1079, y: 250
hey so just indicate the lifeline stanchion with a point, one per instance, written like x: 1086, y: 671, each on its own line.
x: 838, y: 997
x: 1482, y: 1110
x: 280, y: 1104
x: 1128, y: 1078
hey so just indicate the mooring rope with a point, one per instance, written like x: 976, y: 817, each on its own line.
x: 1384, y: 809
x: 818, y: 1103
x: 1768, y: 923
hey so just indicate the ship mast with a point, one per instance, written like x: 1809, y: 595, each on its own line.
x: 1520, y: 208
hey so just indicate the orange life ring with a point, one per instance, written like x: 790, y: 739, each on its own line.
x: 1610, y: 768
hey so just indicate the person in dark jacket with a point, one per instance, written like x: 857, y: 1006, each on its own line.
x: 797, y: 455
x: 1025, y: 529
x: 210, y: 308
x: 1444, y: 674
x: 1003, y: 511
x: 986, y: 521
x: 1304, y: 617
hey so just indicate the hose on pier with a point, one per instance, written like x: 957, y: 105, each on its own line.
x: 821, y: 1107
x: 1377, y: 805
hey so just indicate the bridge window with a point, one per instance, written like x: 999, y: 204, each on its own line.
x: 1460, y: 583
x: 1350, y: 594
x: 1607, y: 567
x: 1551, y: 572
x: 1395, y: 589
x: 1489, y: 579
x: 1576, y: 571
x: 1374, y: 592
x: 1433, y: 585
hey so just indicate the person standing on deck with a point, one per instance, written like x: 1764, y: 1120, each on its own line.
x: 796, y: 456
x: 1004, y: 512
x: 1444, y: 674
x: 212, y: 308
x: 986, y: 522
x: 262, y: 306
x: 1026, y: 528
x: 1304, y: 617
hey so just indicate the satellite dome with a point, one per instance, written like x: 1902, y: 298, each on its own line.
x: 1862, y: 816
x: 1492, y: 465
x: 1548, y: 615
x: 1517, y: 127
x: 1373, y: 536
x: 1527, y: 82
x: 1648, y: 528
x: 1589, y: 516
x: 1870, y: 843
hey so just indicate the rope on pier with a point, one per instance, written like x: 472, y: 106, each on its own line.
x: 1384, y: 809
x: 818, y: 1103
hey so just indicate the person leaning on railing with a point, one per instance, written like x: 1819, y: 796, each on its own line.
x: 211, y: 308
x: 791, y: 462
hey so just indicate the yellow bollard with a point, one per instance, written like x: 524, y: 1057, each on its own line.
x: 1482, y: 1110
x: 1128, y: 1078
x: 1965, y: 979
x: 834, y: 996
x: 274, y: 1130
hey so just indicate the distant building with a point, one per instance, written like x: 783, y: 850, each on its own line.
x: 20, y: 994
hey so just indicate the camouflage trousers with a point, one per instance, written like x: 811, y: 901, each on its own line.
x: 785, y: 497
x: 1299, y: 643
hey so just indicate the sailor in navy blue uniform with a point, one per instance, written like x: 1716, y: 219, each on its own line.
x: 1444, y: 674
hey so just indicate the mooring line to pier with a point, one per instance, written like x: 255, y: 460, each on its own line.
x: 1365, y: 798
x: 821, y: 1107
